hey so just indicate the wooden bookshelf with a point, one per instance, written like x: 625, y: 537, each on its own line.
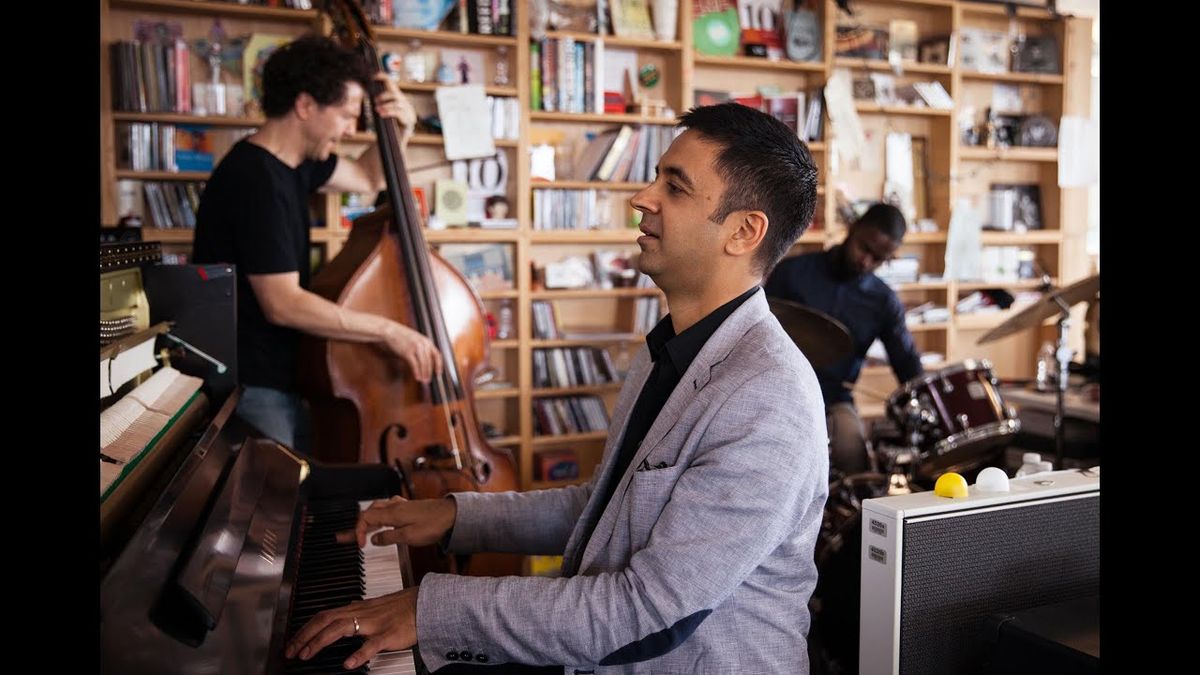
x: 601, y: 317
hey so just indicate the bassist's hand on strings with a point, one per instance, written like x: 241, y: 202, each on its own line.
x: 391, y: 102
x: 417, y: 350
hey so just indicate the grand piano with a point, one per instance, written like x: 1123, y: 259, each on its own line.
x: 217, y: 543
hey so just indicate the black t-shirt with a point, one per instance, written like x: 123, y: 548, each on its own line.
x: 254, y: 214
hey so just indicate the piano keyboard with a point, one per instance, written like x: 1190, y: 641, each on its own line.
x: 331, y: 575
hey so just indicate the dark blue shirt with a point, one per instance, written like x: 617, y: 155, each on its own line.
x: 866, y: 305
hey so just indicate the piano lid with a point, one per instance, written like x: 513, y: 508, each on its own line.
x: 208, y: 550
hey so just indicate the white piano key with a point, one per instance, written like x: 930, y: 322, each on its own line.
x: 382, y: 575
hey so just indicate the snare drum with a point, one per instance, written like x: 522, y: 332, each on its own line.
x: 955, y: 415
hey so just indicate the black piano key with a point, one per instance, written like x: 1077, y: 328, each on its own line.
x: 330, y: 659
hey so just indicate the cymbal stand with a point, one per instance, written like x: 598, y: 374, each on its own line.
x: 1063, y: 356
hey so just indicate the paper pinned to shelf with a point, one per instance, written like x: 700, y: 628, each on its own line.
x: 846, y: 122
x: 1078, y: 152
x: 460, y: 108
x: 964, y: 243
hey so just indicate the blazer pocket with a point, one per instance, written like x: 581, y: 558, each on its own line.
x: 649, y: 492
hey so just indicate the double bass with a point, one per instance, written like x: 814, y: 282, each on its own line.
x: 365, y: 405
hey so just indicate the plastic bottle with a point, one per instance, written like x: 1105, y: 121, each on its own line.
x: 1046, y: 367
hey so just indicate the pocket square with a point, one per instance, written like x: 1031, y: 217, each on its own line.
x: 646, y: 466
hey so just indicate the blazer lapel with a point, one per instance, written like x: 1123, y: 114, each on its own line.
x: 698, y: 375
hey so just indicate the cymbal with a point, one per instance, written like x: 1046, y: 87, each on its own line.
x: 1045, y: 308
x: 822, y: 338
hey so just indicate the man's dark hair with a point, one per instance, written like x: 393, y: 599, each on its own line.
x: 315, y: 65
x: 765, y: 167
x: 886, y: 218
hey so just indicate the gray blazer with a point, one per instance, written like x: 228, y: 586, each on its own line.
x: 702, y: 562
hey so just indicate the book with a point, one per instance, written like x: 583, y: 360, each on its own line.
x: 259, y: 47
x: 631, y: 19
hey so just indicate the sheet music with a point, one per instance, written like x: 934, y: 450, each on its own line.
x: 126, y: 366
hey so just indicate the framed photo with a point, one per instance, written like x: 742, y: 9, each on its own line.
x: 488, y: 267
x: 861, y: 41
x: 934, y: 50
x: 465, y: 66
x: 1015, y: 207
x: 1036, y: 54
x: 983, y: 51
x: 885, y: 88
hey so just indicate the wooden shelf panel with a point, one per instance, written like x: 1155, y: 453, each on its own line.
x: 1025, y: 284
x: 586, y: 185
x: 587, y: 342
x: 573, y: 294
x: 753, y: 63
x: 228, y: 9
x: 186, y: 118
x: 614, y: 236
x: 426, y: 139
x: 571, y: 391
x: 875, y: 108
x: 1002, y: 10
x: 431, y: 87
x: 162, y: 175
x: 606, y: 118
x: 1009, y: 154
x: 614, y: 41
x: 981, y: 320
x: 507, y: 392
x: 928, y: 327
x: 500, y: 295
x: 470, y: 234
x: 1022, y: 78
x: 445, y: 37
x: 923, y: 286
x: 925, y: 238
x: 944, y: 4
x: 255, y: 122
x: 168, y: 236
x: 879, y: 64
x: 539, y: 441
x: 505, y: 440
x: 1020, y: 238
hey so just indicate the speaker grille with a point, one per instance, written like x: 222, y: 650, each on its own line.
x: 959, y: 570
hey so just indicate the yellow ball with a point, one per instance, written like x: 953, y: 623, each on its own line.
x: 951, y: 485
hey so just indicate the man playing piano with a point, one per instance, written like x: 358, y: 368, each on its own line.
x: 254, y: 214
x: 691, y: 548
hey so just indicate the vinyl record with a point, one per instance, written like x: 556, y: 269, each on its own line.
x: 716, y: 33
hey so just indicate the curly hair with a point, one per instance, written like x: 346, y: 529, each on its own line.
x: 313, y: 65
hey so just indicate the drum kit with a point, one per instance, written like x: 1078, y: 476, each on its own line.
x: 949, y: 420
x: 952, y: 419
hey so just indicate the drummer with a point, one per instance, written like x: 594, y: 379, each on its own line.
x: 841, y: 282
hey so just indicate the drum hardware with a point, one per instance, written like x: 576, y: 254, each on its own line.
x: 1053, y: 302
x: 954, y: 419
x: 821, y: 338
